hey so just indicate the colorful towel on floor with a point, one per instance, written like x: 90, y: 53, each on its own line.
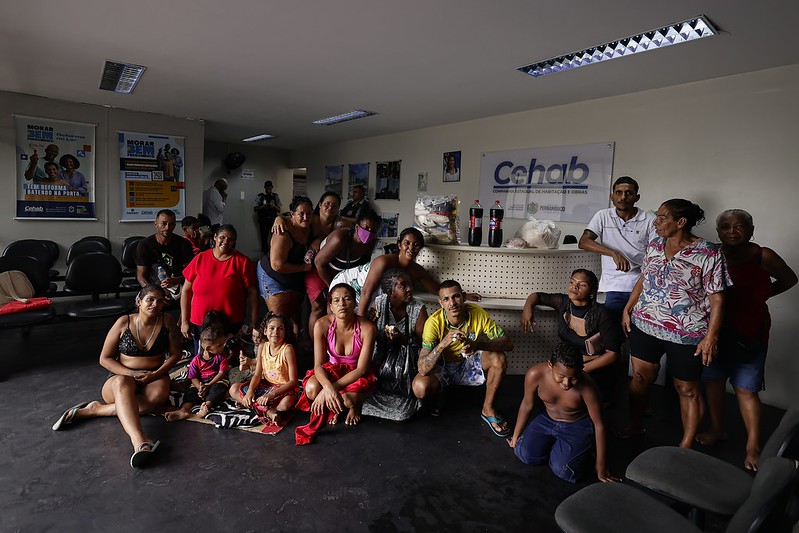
x: 226, y: 415
x: 304, y: 434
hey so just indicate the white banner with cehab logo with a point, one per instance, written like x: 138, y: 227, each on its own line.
x: 562, y: 183
x: 152, y: 175
x: 55, y: 169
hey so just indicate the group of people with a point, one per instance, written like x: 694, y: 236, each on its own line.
x: 377, y: 352
x: 64, y: 172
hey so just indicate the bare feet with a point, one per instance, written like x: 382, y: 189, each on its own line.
x: 273, y: 415
x: 752, y: 459
x: 354, y: 415
x: 205, y: 408
x: 711, y: 437
x: 334, y: 420
x: 178, y: 414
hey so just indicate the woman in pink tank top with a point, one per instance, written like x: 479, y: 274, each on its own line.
x: 342, y: 375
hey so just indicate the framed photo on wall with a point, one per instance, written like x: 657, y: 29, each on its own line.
x: 452, y: 166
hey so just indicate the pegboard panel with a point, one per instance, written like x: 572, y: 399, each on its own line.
x: 503, y: 272
x: 528, y: 348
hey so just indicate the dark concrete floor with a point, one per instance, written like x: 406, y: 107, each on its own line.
x: 430, y: 474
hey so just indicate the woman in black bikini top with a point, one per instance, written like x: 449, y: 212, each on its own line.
x: 138, y: 351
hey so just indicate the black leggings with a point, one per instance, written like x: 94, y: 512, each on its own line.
x: 216, y: 394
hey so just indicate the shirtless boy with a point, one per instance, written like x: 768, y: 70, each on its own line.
x: 564, y: 432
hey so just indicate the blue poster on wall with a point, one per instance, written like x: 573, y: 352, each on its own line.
x: 55, y: 169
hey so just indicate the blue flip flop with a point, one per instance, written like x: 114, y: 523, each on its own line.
x: 499, y: 419
x: 68, y: 416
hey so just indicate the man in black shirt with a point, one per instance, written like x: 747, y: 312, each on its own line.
x: 163, y: 249
x: 358, y: 203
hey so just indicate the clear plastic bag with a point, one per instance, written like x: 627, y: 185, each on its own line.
x: 539, y: 233
x: 437, y: 218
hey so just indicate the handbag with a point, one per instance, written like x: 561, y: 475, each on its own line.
x: 594, y: 345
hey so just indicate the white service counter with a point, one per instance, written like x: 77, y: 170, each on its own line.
x: 504, y: 277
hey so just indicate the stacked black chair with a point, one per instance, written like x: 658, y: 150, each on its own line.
x: 106, y: 244
x: 128, y: 260
x: 38, y: 250
x: 620, y: 508
x: 95, y: 273
x: 36, y: 272
x: 701, y: 481
x: 55, y: 253
x: 82, y: 247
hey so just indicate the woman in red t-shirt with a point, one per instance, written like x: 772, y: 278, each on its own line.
x: 219, y: 279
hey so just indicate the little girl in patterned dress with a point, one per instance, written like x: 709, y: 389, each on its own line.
x: 274, y: 384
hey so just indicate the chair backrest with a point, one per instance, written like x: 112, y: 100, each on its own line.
x: 96, y: 238
x: 129, y: 247
x: 35, y: 270
x: 570, y: 239
x: 765, y: 508
x: 94, y: 272
x: 54, y: 249
x: 85, y: 247
x: 30, y: 248
x: 778, y: 442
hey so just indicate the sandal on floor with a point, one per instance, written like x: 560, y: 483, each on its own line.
x: 141, y: 455
x: 68, y: 416
x: 499, y: 420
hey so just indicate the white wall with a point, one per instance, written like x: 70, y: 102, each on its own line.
x: 107, y: 181
x: 268, y: 164
x: 723, y: 143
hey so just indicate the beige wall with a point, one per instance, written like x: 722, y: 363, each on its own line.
x: 723, y: 143
x: 268, y: 164
x: 107, y: 182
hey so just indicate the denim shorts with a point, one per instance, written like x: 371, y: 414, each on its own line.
x: 749, y: 376
x: 468, y: 371
x: 268, y: 286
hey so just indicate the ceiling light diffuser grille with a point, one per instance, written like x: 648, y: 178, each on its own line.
x: 680, y: 32
x: 120, y: 77
x: 352, y: 115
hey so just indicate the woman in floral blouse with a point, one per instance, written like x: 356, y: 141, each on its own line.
x: 675, y: 308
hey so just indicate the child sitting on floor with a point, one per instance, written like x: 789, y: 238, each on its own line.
x: 208, y: 375
x: 274, y: 383
x: 571, y: 422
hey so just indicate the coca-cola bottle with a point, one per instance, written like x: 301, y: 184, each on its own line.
x: 495, y: 225
x: 475, y: 224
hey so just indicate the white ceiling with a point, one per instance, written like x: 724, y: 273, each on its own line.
x: 253, y: 66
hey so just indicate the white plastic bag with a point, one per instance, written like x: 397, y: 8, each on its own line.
x: 539, y: 233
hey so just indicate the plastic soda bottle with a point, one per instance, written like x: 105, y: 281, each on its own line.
x: 495, y: 225
x: 476, y: 224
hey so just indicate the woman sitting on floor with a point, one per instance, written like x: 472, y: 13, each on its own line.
x: 400, y: 322
x: 580, y: 319
x: 342, y: 375
x: 139, y: 350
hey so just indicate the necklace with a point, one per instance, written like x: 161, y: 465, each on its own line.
x: 152, y: 333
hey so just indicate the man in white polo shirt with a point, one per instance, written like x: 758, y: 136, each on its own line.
x: 624, y: 231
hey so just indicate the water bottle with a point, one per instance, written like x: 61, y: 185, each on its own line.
x: 495, y: 225
x: 475, y: 224
x: 162, y: 275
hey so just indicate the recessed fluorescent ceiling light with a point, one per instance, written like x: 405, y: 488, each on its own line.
x: 352, y: 115
x: 680, y: 32
x: 120, y: 77
x: 261, y: 137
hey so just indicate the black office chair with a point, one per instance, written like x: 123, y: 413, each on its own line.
x: 569, y: 239
x: 37, y: 275
x: 620, y: 508
x: 85, y: 247
x: 128, y: 260
x: 55, y: 253
x: 701, y: 481
x: 38, y: 250
x: 96, y: 238
x: 96, y: 273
